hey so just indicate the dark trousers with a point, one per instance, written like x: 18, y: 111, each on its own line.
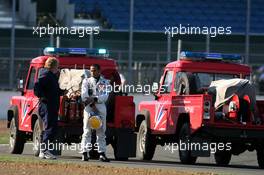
x: 49, y: 117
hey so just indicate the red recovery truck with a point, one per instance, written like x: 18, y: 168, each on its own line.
x: 184, y: 112
x: 25, y: 123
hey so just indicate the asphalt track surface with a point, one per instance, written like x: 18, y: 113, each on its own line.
x: 244, y: 164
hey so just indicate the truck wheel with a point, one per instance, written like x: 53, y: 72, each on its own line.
x: 36, y: 138
x: 185, y: 155
x: 16, y: 139
x: 145, y: 142
x: 260, y: 157
x: 222, y: 157
x: 186, y: 84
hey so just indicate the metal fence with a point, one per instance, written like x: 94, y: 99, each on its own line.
x: 144, y: 71
x: 147, y: 66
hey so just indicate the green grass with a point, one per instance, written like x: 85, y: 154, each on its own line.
x: 12, y: 158
x: 4, y: 132
x: 4, y: 138
x: 34, y: 160
x: 20, y: 158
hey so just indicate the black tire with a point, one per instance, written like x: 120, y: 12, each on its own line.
x: 16, y: 139
x: 186, y: 84
x: 146, y: 143
x: 222, y: 158
x: 184, y: 136
x: 260, y: 157
x: 36, y: 138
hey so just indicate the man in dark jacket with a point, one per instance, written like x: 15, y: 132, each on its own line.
x: 48, y: 90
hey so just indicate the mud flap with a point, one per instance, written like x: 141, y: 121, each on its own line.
x: 125, y: 142
x: 124, y: 112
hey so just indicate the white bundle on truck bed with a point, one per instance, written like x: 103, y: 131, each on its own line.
x: 71, y: 79
x: 223, y: 90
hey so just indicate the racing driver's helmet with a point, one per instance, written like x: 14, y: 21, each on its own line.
x: 95, y: 122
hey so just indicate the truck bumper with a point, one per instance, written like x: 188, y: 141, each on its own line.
x: 234, y: 133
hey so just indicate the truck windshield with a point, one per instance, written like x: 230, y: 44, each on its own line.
x: 205, y: 79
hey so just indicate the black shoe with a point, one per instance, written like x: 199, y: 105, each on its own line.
x: 85, y: 156
x: 103, y: 158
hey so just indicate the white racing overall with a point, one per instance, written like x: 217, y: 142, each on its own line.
x: 100, y: 89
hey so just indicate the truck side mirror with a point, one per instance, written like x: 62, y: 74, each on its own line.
x: 20, y: 86
x: 155, y: 87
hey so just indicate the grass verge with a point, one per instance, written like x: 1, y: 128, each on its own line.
x: 4, y: 132
x: 12, y: 165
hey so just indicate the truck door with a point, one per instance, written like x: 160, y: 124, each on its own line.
x: 163, y: 106
x: 27, y: 102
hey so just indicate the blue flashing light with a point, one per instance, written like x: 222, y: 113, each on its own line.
x: 49, y: 49
x: 210, y: 56
x: 213, y: 56
x: 102, y: 51
x: 75, y: 51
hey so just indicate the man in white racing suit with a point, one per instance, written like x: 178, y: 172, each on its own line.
x: 94, y: 95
